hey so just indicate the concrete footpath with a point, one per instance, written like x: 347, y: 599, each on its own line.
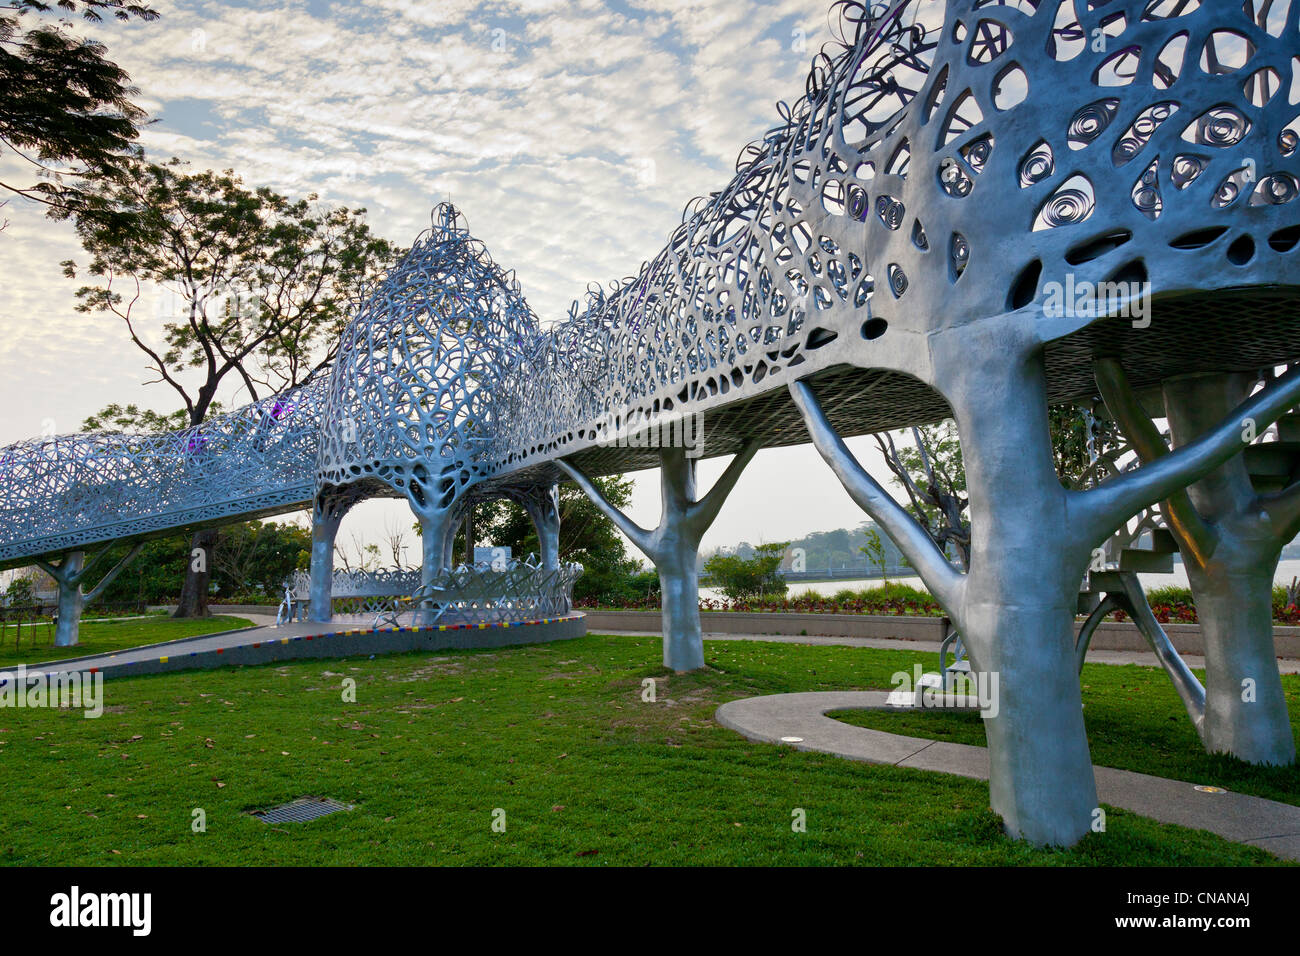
x: 800, y: 721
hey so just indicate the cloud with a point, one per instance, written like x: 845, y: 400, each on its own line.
x: 571, y: 134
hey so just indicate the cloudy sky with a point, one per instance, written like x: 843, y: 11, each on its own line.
x: 571, y: 133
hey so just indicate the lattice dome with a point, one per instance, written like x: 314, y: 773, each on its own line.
x: 416, y: 390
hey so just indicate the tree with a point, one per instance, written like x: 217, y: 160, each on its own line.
x: 155, y: 577
x: 932, y: 474
x: 586, y: 537
x: 1077, y: 440
x: 874, y: 549
x: 255, y: 557
x: 132, y: 418
x: 65, y: 108
x: 20, y: 592
x: 262, y: 283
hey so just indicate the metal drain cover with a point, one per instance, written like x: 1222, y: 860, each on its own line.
x: 301, y: 810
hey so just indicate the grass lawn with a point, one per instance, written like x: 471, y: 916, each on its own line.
x: 106, y: 637
x: 1135, y: 722
x: 555, y: 735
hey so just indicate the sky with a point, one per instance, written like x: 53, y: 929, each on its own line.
x: 570, y: 133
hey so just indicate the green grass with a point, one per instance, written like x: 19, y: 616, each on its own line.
x: 1135, y: 722
x: 106, y: 637
x: 556, y: 735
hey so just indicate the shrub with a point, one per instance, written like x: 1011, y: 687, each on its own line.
x: 743, y: 578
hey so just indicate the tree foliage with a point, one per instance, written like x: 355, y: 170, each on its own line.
x: 250, y: 560
x: 586, y: 536
x: 1071, y: 451
x: 65, y: 108
x: 263, y: 283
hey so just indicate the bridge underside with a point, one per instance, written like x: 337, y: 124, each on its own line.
x: 1235, y: 330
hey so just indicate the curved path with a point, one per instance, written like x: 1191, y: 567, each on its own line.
x: 800, y: 721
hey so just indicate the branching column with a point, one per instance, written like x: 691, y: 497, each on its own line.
x: 674, y: 545
x: 543, y: 505
x: 1031, y: 541
x: 69, y: 574
x: 1230, y: 538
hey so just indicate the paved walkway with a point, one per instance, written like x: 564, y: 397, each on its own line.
x: 1095, y: 656
x: 800, y: 721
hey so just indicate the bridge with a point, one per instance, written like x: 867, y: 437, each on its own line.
x: 975, y: 210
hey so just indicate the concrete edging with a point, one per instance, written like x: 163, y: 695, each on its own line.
x: 799, y: 721
x: 326, y: 643
x: 1109, y: 636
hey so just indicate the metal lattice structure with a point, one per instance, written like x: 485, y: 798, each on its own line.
x: 1145, y: 142
x: 518, y: 590
x: 850, y: 233
x: 973, y: 204
x: 416, y: 391
x: 65, y: 492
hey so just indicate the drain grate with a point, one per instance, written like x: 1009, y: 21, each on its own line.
x: 301, y: 810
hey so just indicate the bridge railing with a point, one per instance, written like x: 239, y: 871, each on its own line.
x: 484, y: 593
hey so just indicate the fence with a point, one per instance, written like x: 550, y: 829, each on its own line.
x: 518, y: 590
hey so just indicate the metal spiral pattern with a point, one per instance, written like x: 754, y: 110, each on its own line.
x: 1090, y: 122
x: 1037, y: 166
x: 1146, y: 192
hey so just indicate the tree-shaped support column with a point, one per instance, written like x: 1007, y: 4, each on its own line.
x: 1031, y: 542
x: 69, y: 574
x: 326, y: 516
x: 674, y: 545
x: 542, y: 502
x: 1231, y: 536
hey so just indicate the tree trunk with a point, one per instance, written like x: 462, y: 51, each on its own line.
x: 1245, y: 708
x: 679, y: 585
x: 194, y: 594
x: 1016, y: 606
